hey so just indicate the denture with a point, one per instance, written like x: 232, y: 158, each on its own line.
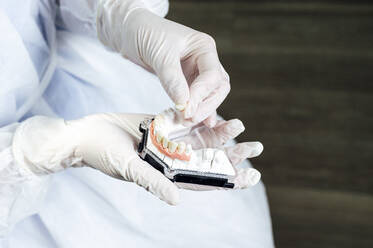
x: 159, y: 137
x: 164, y: 140
x: 169, y: 148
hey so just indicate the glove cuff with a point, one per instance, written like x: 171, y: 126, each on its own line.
x: 44, y: 145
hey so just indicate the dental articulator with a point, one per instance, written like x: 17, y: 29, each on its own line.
x: 161, y: 147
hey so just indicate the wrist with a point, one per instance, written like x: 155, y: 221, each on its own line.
x: 44, y: 145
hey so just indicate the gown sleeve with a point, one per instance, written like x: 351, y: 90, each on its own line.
x: 80, y: 16
x: 21, y: 192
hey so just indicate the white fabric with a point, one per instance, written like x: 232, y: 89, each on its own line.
x: 20, y: 191
x: 83, y: 12
x: 16, y: 84
x: 84, y: 207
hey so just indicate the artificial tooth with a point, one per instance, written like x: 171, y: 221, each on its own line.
x: 181, y: 147
x: 158, y: 138
x: 180, y: 107
x: 159, y: 131
x: 158, y: 121
x: 159, y: 118
x: 164, y: 142
x: 188, y: 149
x: 162, y: 133
x: 172, y: 146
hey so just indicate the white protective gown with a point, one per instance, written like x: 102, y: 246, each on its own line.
x: 50, y: 66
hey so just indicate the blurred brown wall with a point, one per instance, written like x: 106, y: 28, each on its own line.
x: 302, y: 82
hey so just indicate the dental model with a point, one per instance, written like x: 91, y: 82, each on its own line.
x: 177, y: 160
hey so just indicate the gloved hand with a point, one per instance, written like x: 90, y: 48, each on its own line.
x: 185, y: 60
x: 201, y: 136
x: 108, y: 142
x: 216, y: 137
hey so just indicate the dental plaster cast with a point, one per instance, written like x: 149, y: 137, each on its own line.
x: 163, y: 147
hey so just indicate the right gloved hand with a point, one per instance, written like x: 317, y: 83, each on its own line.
x: 201, y: 137
x: 185, y: 60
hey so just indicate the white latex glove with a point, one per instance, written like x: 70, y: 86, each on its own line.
x: 185, y: 60
x: 216, y: 137
x: 106, y: 142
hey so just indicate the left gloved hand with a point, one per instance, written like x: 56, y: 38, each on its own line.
x: 106, y: 142
x: 185, y: 60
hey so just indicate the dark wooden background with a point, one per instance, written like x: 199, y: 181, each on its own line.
x: 302, y: 82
